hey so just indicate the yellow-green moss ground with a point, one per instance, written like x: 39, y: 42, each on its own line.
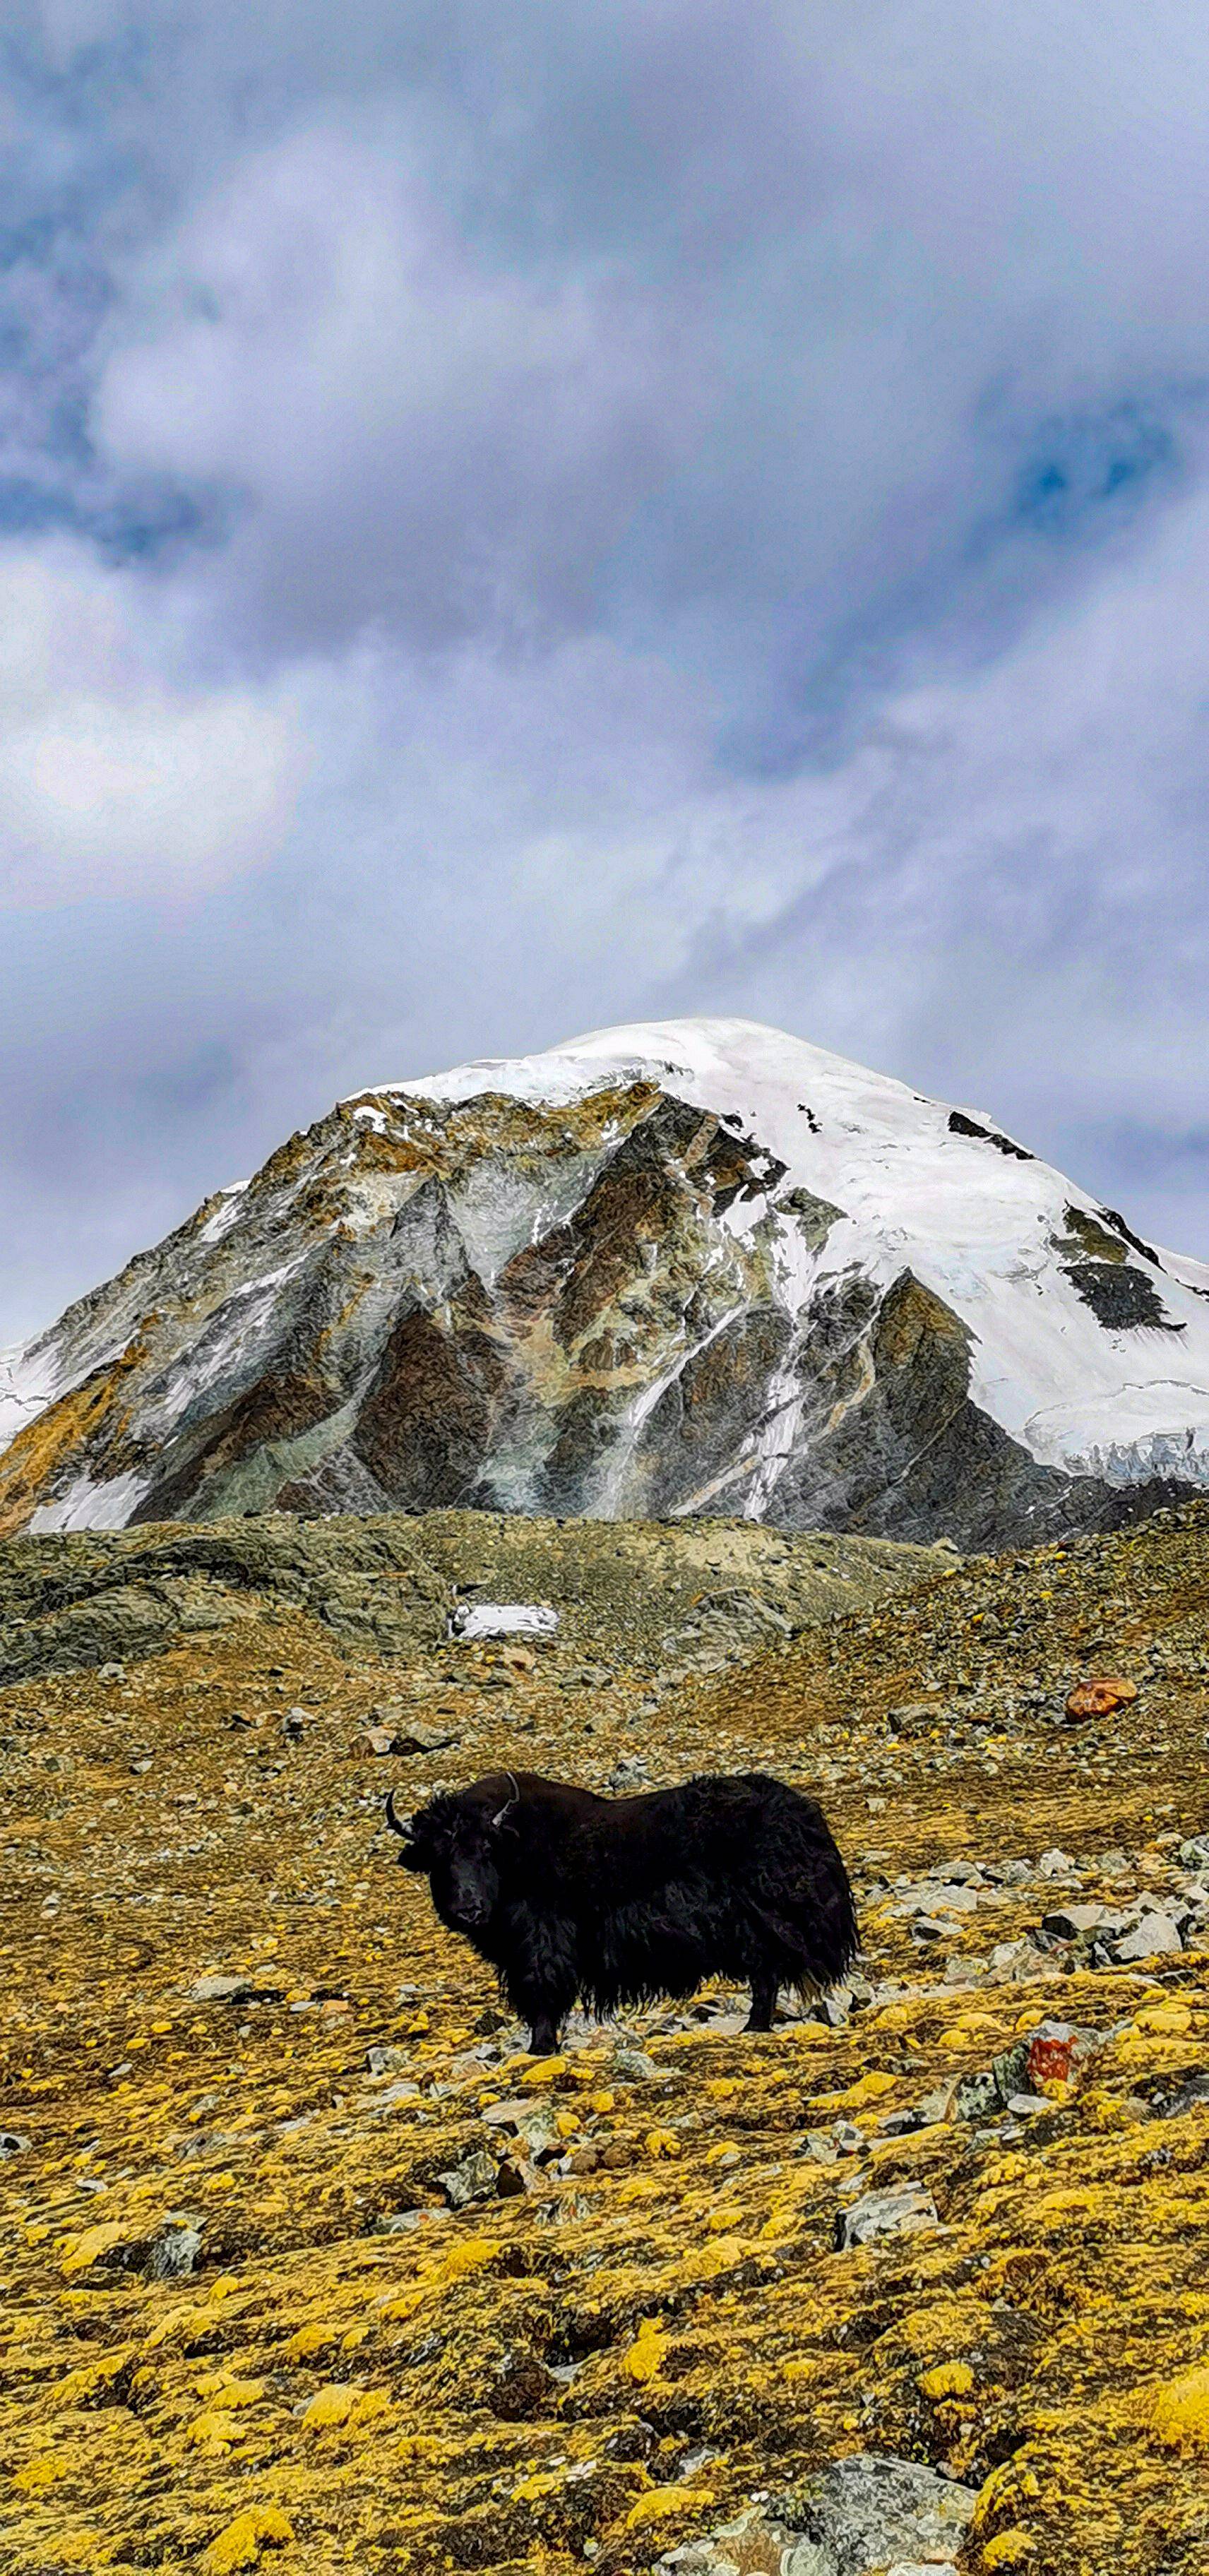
x: 612, y: 2360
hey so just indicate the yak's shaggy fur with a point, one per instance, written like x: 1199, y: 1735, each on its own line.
x: 617, y: 1900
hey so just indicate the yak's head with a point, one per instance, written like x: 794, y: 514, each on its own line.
x: 459, y: 1844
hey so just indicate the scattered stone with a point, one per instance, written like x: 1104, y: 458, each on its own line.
x: 293, y: 1723
x: 514, y: 2176
x: 627, y: 1776
x: 821, y: 2146
x: 1012, y: 1960
x: 1155, y: 1935
x: 1100, y: 1697
x: 416, y: 1735
x: 1074, y: 1922
x: 913, y: 1718
x: 375, y: 1740
x: 906, y: 2211
x: 965, y: 1972
x: 1057, y: 1864
x: 1010, y: 2068
x: 403, y: 2091
x: 1195, y: 1853
x: 238, y: 1719
x: 955, y: 1899
x: 473, y: 2179
x: 1189, y: 2098
x: 959, y: 1898
x: 174, y: 2253
x: 836, y: 2008
x: 12, y: 2145
x: 897, y: 2124
x: 976, y: 2097
x: 634, y: 2066
x: 418, y: 1738
x: 864, y: 2515
x: 533, y: 2122
x: 936, y: 2106
x: 112, y: 1673
x: 383, y: 2058
x: 222, y: 1990
x: 1051, y: 2052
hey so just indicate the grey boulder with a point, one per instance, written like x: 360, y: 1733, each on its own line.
x: 864, y: 2516
x: 1153, y: 1936
x: 905, y: 2212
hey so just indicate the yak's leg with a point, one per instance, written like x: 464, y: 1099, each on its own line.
x: 541, y: 1977
x: 763, y: 2002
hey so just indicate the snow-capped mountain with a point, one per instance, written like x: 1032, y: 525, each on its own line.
x: 685, y: 1267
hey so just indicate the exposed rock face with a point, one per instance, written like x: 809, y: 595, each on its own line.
x: 692, y: 1269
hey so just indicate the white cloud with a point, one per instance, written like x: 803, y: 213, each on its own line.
x: 120, y: 775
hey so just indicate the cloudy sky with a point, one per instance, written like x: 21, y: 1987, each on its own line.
x: 514, y: 517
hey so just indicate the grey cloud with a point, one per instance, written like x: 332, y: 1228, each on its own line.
x: 412, y: 435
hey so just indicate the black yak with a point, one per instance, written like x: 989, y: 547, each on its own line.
x: 618, y: 1900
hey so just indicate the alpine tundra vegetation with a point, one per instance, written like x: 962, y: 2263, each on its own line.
x: 308, y: 2264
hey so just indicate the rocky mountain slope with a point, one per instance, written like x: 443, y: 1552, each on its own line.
x: 685, y: 1269
x: 662, y: 1600
x: 307, y: 2267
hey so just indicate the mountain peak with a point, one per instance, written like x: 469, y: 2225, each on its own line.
x: 684, y: 1266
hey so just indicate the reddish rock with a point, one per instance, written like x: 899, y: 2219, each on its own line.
x: 1051, y: 2051
x: 376, y: 1739
x: 1100, y: 1697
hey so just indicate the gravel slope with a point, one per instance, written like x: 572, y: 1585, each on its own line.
x: 717, y: 2264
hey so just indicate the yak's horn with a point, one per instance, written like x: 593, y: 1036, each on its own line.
x: 509, y: 1803
x: 393, y: 1821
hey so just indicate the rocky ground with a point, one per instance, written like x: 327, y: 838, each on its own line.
x: 646, y: 1603
x: 307, y: 2266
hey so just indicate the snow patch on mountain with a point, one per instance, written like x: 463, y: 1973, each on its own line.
x: 29, y: 1374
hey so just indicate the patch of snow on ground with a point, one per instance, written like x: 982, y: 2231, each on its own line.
x: 503, y: 1619
x: 88, y: 1505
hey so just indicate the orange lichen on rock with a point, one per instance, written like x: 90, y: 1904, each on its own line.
x: 1100, y: 1697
